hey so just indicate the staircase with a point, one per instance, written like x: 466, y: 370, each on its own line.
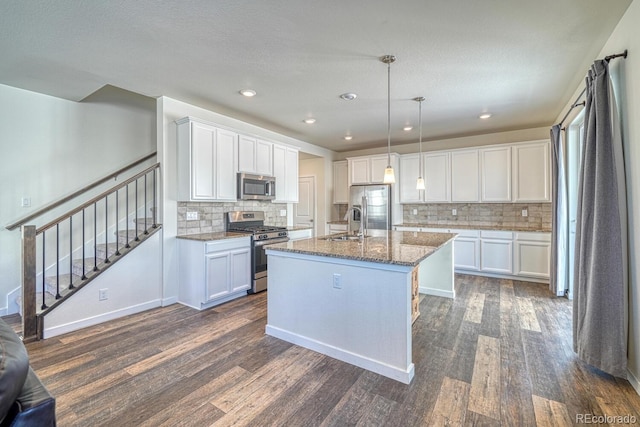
x: 64, y: 255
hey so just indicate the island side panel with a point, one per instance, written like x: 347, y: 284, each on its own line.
x: 365, y: 322
x: 436, y: 273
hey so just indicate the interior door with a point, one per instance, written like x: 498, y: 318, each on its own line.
x: 304, y: 210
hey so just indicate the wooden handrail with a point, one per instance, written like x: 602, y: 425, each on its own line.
x: 57, y: 203
x: 96, y: 199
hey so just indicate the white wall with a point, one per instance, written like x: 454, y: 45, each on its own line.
x: 322, y: 170
x: 52, y: 147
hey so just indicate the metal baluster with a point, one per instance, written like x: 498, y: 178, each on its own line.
x: 117, y: 228
x: 145, y: 204
x: 126, y: 208
x: 58, y: 296
x: 106, y: 229
x: 135, y: 222
x: 71, y: 252
x: 44, y: 287
x: 155, y: 206
x: 84, y: 241
x: 95, y: 236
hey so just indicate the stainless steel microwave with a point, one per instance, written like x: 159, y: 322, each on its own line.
x: 256, y: 187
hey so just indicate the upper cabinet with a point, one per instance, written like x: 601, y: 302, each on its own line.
x: 531, y: 172
x: 409, y: 172
x: 206, y: 162
x: 370, y: 169
x: 285, y: 169
x: 437, y: 177
x: 341, y: 182
x: 495, y: 167
x: 465, y: 174
x: 255, y: 156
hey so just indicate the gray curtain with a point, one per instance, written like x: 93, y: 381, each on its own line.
x: 600, y: 279
x: 558, y: 282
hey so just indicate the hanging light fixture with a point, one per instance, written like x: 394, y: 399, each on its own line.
x: 420, y: 181
x: 389, y: 176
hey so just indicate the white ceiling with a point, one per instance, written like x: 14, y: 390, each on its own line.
x: 520, y: 60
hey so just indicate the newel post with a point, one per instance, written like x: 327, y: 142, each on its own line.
x: 29, y: 319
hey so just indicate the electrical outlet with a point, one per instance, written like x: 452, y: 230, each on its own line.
x: 337, y: 281
x: 454, y: 212
x: 25, y: 202
x: 415, y: 211
x: 192, y: 216
x: 283, y: 212
x: 103, y: 294
x: 525, y: 212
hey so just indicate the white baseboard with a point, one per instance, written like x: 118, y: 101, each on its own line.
x: 344, y: 355
x: 83, y: 323
x: 634, y: 381
x: 437, y: 292
x: 169, y: 301
x: 3, y: 311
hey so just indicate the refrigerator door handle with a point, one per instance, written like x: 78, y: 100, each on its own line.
x: 365, y: 215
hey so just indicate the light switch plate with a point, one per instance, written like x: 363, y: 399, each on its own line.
x: 26, y: 202
x: 192, y: 216
x: 525, y: 212
x: 283, y: 212
x: 454, y: 212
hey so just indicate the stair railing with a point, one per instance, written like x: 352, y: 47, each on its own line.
x: 91, y: 213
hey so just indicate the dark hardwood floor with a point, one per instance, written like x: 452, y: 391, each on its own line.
x: 499, y: 354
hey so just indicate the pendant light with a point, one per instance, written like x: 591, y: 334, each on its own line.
x: 389, y: 176
x: 420, y: 181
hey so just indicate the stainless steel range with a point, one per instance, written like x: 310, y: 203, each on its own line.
x: 262, y: 235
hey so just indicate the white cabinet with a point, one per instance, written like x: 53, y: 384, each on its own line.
x: 370, y: 169
x: 437, y: 177
x: 285, y: 169
x: 213, y: 272
x: 495, y: 167
x: 409, y: 172
x: 206, y: 162
x: 335, y: 228
x: 341, y: 182
x: 306, y: 233
x: 255, y: 156
x: 496, y: 251
x: 466, y: 250
x: 465, y: 176
x: 531, y: 172
x: 533, y: 255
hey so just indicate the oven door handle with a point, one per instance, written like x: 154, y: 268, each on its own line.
x: 269, y: 242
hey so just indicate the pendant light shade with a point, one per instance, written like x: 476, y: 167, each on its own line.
x: 420, y: 180
x: 389, y: 175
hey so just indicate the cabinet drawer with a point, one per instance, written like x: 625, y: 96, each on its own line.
x: 534, y: 237
x: 466, y: 233
x: 493, y: 234
x: 227, y: 244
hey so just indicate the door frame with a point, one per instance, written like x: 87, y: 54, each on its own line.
x: 314, y: 201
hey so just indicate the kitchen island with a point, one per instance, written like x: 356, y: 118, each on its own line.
x: 351, y: 299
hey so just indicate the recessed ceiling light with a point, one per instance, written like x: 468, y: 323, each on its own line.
x: 310, y: 121
x: 349, y: 96
x: 407, y: 128
x: 484, y: 116
x: 248, y: 93
x: 348, y: 137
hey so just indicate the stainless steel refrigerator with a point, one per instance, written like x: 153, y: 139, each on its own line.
x: 373, y: 203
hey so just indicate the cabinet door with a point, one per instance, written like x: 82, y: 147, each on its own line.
x: 377, y: 166
x: 217, y: 275
x: 264, y: 158
x: 533, y: 259
x: 203, y: 140
x: 531, y: 172
x: 279, y: 170
x: 359, y: 171
x: 466, y: 253
x: 291, y: 167
x: 240, y: 270
x: 246, y: 154
x: 340, y: 182
x: 496, y: 256
x: 465, y: 176
x: 436, y: 178
x: 225, y: 165
x: 496, y: 174
x: 409, y: 172
x: 285, y: 169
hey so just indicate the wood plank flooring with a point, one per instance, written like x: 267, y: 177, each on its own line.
x: 498, y: 355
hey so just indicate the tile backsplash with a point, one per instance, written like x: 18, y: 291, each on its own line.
x: 211, y: 216
x: 482, y: 214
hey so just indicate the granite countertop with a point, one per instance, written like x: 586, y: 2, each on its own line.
x: 406, y: 248
x: 205, y: 237
x: 475, y: 227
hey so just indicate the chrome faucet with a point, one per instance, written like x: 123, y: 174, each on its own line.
x: 349, y: 218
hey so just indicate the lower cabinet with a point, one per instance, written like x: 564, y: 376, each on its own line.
x: 533, y: 254
x: 306, y: 233
x: 213, y: 272
x: 497, y: 251
x: 335, y: 228
x: 466, y: 250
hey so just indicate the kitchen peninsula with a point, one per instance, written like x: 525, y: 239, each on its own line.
x: 352, y: 299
